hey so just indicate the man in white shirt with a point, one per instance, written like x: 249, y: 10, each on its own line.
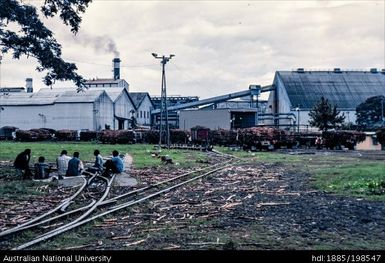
x: 62, y: 164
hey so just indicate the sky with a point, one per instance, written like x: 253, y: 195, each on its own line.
x: 219, y: 46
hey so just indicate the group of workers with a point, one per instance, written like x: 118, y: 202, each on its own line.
x: 67, y: 166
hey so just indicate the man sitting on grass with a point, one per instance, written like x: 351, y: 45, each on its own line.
x: 42, y: 169
x: 115, y: 165
x: 75, y: 166
x: 22, y: 163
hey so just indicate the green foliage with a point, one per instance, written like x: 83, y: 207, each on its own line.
x: 359, y: 179
x: 369, y: 114
x: 325, y: 116
x: 31, y: 37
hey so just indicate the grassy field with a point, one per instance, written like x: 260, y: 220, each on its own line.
x: 365, y: 179
x: 141, y: 153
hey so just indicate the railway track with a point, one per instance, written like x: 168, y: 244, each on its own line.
x: 44, y: 227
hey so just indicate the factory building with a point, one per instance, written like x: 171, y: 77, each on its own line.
x: 28, y: 88
x: 61, y: 109
x: 126, y: 104
x: 115, y: 82
x: 218, y: 118
x: 105, y: 104
x: 230, y: 111
x: 296, y: 92
x: 173, y: 116
x: 124, y: 108
x: 143, y: 105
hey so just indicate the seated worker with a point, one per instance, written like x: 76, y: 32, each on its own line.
x: 62, y: 164
x: 22, y: 163
x: 98, y: 165
x: 75, y: 166
x: 115, y: 165
x: 42, y: 169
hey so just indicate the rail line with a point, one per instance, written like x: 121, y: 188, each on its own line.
x: 113, y: 204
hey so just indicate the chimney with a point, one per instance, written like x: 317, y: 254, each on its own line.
x: 28, y: 85
x: 116, y: 64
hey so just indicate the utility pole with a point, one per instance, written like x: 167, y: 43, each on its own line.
x: 382, y: 110
x: 163, y: 102
x: 1, y: 58
x: 298, y: 109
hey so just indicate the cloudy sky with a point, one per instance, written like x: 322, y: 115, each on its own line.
x: 219, y: 46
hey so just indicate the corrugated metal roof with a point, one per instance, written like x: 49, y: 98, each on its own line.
x: 346, y: 89
x: 102, y: 81
x: 89, y: 95
x: 24, y: 99
x: 138, y: 97
x: 48, y: 96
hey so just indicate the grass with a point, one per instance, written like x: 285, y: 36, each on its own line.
x: 16, y: 190
x: 364, y: 179
x: 141, y: 153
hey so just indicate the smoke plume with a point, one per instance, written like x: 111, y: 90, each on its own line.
x: 98, y: 43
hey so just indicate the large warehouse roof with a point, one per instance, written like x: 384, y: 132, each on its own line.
x: 19, y: 99
x: 79, y: 97
x: 48, y: 96
x: 346, y: 89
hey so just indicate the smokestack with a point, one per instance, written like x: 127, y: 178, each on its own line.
x: 28, y: 85
x: 116, y: 64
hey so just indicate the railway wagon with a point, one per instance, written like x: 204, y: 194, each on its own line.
x: 200, y: 135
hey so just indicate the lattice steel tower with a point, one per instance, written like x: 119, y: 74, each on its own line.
x: 164, y: 129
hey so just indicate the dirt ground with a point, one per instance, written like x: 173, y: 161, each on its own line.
x: 248, y: 206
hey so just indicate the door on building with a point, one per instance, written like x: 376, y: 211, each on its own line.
x: 121, y: 124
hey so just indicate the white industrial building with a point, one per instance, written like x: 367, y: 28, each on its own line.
x: 296, y: 93
x: 115, y: 82
x: 218, y: 118
x: 144, y: 106
x: 124, y: 108
x: 61, y: 109
x: 105, y: 104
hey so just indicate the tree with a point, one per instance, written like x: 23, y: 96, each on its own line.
x: 369, y: 113
x: 325, y: 116
x: 23, y: 33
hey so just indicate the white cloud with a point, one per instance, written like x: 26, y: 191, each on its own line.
x: 220, y: 47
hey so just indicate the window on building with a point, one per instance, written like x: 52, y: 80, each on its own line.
x: 148, y: 114
x: 137, y: 115
x: 140, y: 114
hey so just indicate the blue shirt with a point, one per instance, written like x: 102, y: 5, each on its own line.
x: 73, y: 167
x: 118, y: 163
x: 99, y: 162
